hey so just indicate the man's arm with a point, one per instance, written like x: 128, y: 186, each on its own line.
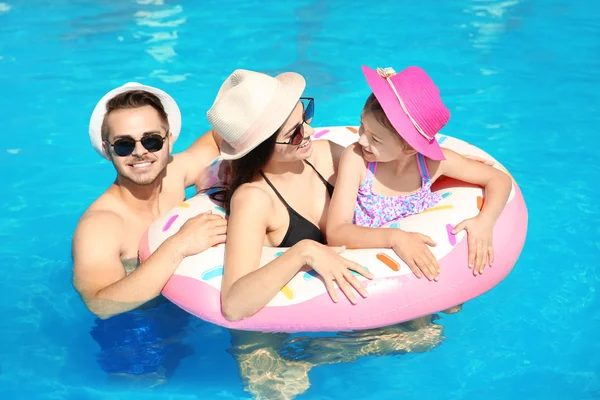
x: 199, y: 155
x: 99, y: 275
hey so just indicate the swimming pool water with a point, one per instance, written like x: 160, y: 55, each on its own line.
x: 521, y: 78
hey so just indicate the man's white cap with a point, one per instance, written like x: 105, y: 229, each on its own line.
x: 171, y: 108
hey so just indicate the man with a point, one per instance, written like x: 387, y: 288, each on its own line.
x: 134, y: 127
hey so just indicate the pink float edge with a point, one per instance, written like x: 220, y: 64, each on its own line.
x: 382, y: 308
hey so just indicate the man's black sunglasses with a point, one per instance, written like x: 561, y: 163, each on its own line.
x: 124, y: 146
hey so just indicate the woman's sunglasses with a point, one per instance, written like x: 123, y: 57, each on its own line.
x: 124, y: 146
x: 307, y: 117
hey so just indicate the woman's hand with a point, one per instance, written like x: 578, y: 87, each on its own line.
x: 328, y: 263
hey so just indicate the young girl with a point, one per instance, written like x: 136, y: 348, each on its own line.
x: 388, y: 173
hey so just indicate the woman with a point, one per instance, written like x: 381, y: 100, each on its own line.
x: 265, y: 132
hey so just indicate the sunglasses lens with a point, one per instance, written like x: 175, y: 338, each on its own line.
x: 124, y: 147
x: 152, y: 143
x: 310, y: 111
x: 298, y: 135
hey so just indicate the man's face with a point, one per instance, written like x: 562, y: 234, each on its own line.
x: 142, y: 166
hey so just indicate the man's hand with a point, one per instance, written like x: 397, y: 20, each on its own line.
x: 200, y: 233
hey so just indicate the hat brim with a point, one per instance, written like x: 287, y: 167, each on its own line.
x: 274, y: 115
x: 97, y: 118
x: 398, y: 118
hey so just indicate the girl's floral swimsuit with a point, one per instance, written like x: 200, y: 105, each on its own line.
x: 373, y: 210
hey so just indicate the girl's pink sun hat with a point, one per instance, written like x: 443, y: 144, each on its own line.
x: 412, y: 103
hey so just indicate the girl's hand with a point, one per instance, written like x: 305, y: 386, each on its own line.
x: 479, y: 235
x: 413, y: 249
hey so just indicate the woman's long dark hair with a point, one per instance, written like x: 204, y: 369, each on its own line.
x: 243, y: 170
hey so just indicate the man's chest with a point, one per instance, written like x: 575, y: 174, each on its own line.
x: 136, y: 224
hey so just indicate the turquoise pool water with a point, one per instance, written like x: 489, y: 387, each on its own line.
x: 520, y: 78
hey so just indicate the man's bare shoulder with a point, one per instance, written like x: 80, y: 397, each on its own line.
x: 96, y: 246
x: 107, y: 205
x: 102, y: 218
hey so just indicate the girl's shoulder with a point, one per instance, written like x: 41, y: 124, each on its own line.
x: 353, y: 154
x: 352, y: 161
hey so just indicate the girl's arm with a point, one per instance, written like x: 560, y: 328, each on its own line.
x: 497, y: 186
x: 246, y: 288
x: 411, y: 247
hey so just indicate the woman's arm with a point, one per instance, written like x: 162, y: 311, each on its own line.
x: 246, y: 288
